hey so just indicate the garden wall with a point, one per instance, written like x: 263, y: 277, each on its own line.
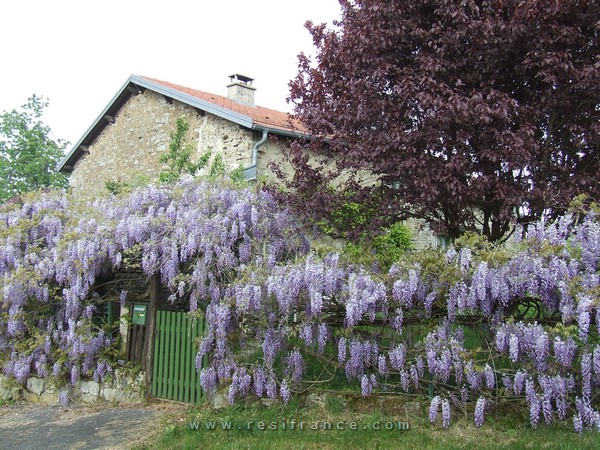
x: 123, y: 389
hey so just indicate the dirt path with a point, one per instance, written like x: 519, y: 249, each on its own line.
x: 36, y: 427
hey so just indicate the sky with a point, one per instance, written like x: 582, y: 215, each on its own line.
x: 78, y: 54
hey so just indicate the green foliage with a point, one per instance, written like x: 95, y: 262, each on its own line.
x: 179, y: 161
x: 581, y: 206
x: 217, y: 168
x: 384, y: 249
x: 348, y: 218
x: 28, y: 154
x: 237, y: 175
x: 473, y: 241
x: 5, y: 402
x: 179, y: 157
x: 115, y: 187
x: 391, y: 245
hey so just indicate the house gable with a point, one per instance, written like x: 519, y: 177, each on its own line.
x: 131, y: 133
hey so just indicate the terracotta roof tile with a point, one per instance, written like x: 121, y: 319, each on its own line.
x: 261, y: 116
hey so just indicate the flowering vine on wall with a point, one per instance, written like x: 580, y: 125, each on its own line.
x: 243, y: 261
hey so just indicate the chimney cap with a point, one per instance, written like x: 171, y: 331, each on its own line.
x: 236, y: 77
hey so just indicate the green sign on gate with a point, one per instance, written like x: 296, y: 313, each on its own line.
x: 139, y: 314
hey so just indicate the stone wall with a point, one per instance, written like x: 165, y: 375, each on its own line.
x: 122, y: 389
x: 130, y: 147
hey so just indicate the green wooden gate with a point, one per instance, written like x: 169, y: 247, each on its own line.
x: 174, y: 375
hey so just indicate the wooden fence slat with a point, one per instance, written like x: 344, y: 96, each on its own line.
x: 174, y: 374
x: 155, y: 376
x: 187, y: 361
x: 178, y: 341
x: 194, y: 383
x: 169, y: 358
x: 161, y: 345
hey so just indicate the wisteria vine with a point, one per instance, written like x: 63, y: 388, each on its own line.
x: 198, y: 237
x: 534, y: 308
x: 467, y: 326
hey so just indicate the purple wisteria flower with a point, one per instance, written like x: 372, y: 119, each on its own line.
x: 208, y: 379
x: 398, y: 356
x: 434, y: 407
x: 479, y: 411
x: 285, y: 392
x: 564, y: 351
x: 490, y: 378
x: 322, y: 336
x: 445, y: 413
x: 365, y: 386
x: 123, y: 297
x: 342, y: 350
x: 63, y: 397
x: 382, y: 365
x: 260, y: 379
x: 295, y: 366
x: 271, y: 388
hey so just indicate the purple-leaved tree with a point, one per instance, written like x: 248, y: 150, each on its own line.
x: 472, y: 115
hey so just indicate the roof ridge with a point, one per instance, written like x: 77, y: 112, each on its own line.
x: 260, y: 115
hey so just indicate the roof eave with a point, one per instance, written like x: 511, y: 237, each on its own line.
x: 281, y: 131
x: 71, y: 158
x: 195, y: 102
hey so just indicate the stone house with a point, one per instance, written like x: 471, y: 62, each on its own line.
x: 133, y: 130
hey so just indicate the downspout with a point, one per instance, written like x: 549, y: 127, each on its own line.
x: 251, y: 170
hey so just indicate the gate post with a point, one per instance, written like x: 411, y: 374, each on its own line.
x: 155, y: 290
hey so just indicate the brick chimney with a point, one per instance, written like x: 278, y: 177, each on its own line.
x: 240, y: 89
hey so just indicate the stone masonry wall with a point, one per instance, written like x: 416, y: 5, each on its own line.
x: 131, y: 146
x: 122, y: 389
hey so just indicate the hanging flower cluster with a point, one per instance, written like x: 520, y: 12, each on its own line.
x: 533, y: 309
x: 198, y: 237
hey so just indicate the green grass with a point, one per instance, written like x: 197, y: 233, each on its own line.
x: 500, y: 432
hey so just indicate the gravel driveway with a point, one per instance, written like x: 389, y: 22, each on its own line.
x: 36, y: 427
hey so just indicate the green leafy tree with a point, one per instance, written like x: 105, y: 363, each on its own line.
x: 179, y: 157
x: 178, y: 161
x: 28, y: 154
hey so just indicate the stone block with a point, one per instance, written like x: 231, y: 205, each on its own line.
x: 413, y: 409
x: 31, y: 397
x: 220, y: 398
x: 36, y: 385
x: 7, y: 391
x: 112, y: 395
x: 133, y: 398
x: 90, y: 388
x: 49, y: 398
x: 89, y: 398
